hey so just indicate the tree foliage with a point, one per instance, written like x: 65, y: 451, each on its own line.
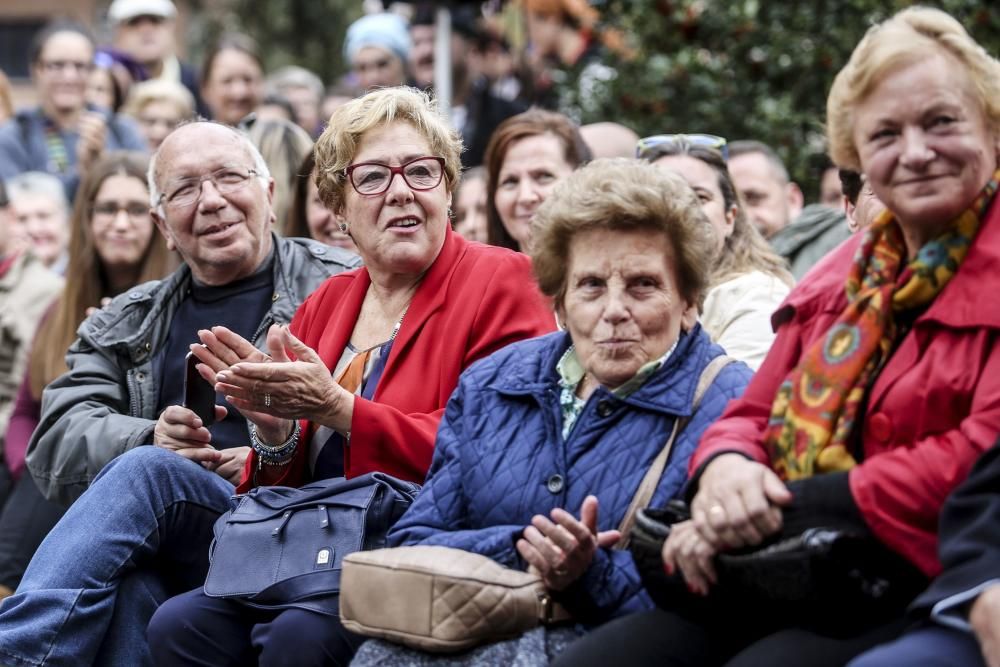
x: 745, y: 69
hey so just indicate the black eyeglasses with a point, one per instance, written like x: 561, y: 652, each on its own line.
x: 374, y: 178
x: 649, y: 146
x: 136, y: 210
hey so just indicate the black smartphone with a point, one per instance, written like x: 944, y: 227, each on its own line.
x: 199, y: 395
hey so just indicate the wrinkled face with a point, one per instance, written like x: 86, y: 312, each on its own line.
x: 705, y: 183
x: 158, y: 119
x: 101, y: 89
x: 470, y: 210
x: 830, y: 192
x: 378, y: 68
x: 45, y: 224
x: 120, y: 222
x: 323, y: 225
x: 221, y: 236
x: 530, y: 171
x: 422, y: 55
x: 400, y: 231
x: 148, y: 39
x: 764, y: 196
x: 622, y: 306
x: 62, y: 71
x: 925, y: 145
x: 235, y: 86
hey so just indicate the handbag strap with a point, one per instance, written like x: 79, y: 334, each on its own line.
x: 649, y: 483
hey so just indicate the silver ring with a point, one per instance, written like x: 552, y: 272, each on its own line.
x: 716, y: 509
x: 560, y: 572
x: 267, y: 400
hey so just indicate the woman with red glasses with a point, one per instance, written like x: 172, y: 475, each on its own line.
x: 378, y: 352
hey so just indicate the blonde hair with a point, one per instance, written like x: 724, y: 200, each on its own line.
x: 159, y: 90
x: 620, y: 194
x: 338, y: 145
x: 912, y: 35
x: 283, y: 145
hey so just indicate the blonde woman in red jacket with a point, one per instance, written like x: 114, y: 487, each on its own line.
x: 359, y: 381
x: 883, y: 385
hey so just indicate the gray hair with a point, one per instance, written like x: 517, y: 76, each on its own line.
x: 38, y: 183
x: 748, y: 146
x: 294, y: 76
x: 259, y: 165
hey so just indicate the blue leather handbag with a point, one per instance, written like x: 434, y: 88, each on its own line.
x: 282, y: 547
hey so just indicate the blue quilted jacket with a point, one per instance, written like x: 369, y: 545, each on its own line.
x: 500, y: 458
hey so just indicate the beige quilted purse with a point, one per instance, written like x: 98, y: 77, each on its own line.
x: 444, y: 600
x: 440, y: 599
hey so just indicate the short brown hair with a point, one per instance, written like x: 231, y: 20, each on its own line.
x: 912, y: 35
x: 528, y: 124
x: 338, y: 145
x: 615, y: 193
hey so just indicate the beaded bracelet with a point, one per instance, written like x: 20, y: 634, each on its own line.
x: 275, y: 455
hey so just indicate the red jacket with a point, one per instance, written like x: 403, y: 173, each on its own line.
x: 932, y: 410
x: 473, y: 300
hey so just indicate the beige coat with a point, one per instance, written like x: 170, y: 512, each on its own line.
x: 27, y: 290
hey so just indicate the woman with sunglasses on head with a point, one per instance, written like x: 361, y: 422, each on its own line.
x: 378, y: 353
x: 880, y: 392
x: 526, y: 158
x: 113, y: 246
x: 750, y: 280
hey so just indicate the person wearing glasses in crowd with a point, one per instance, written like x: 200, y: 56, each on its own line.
x: 115, y: 418
x: 749, y: 280
x: 113, y: 246
x: 880, y: 392
x: 386, y: 166
x: 62, y: 136
x: 526, y: 158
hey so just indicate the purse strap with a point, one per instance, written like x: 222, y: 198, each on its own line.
x: 649, y: 483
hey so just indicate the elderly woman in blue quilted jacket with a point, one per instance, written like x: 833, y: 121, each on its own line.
x: 545, y: 442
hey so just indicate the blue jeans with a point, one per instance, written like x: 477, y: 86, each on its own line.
x: 138, y: 535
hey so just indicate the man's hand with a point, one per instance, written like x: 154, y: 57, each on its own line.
x: 985, y: 620
x: 562, y: 549
x: 180, y: 430
x: 230, y: 464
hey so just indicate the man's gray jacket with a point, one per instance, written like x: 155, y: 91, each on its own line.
x: 106, y: 403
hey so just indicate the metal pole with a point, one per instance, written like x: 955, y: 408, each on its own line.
x: 442, y: 60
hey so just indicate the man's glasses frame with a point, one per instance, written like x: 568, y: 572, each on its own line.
x: 226, y: 180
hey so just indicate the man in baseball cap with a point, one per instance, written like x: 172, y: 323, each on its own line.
x: 144, y: 29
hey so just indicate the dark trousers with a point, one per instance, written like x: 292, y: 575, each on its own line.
x: 928, y: 645
x: 193, y: 629
x: 26, y: 519
x: 670, y: 639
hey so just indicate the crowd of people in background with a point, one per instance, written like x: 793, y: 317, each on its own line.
x: 506, y: 307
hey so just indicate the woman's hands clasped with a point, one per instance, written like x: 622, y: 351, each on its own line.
x: 738, y: 504
x: 274, y: 390
x: 561, y: 549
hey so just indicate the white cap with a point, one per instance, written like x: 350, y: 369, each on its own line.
x: 126, y: 10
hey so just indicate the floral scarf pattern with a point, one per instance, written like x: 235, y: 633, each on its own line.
x: 814, y: 412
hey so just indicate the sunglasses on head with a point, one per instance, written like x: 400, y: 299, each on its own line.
x: 650, y: 145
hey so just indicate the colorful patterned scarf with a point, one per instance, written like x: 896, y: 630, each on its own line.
x: 814, y: 411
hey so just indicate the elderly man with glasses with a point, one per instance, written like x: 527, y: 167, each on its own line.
x: 139, y: 533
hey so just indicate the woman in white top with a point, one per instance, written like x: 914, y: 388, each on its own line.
x: 750, y: 280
